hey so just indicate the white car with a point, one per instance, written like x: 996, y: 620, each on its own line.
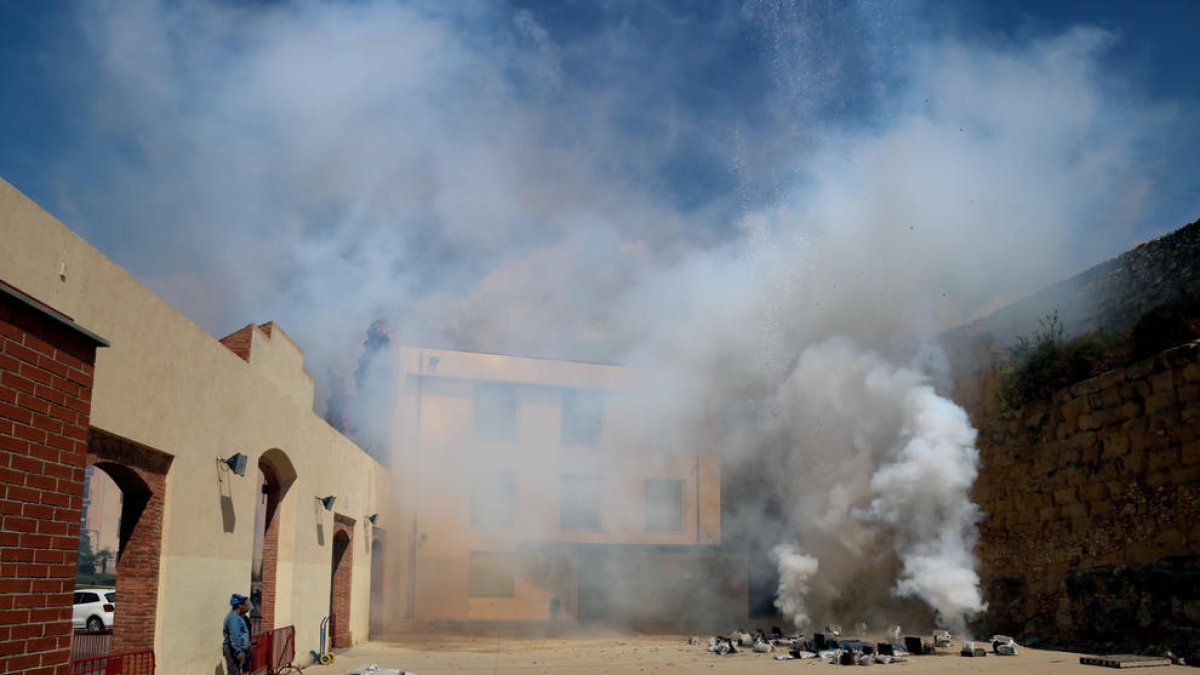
x: 94, y: 608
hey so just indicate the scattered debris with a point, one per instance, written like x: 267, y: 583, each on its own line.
x: 941, y: 639
x: 1003, y: 645
x: 722, y: 645
x: 693, y: 640
x: 374, y: 669
x: 970, y: 649
x: 762, y: 647
x: 913, y: 645
x: 1125, y: 661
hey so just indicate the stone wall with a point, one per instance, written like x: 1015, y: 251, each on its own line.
x: 1092, y: 503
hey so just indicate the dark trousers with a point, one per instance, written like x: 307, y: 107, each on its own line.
x: 232, y: 667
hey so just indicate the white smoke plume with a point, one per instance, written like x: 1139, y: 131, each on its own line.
x: 922, y: 495
x: 795, y: 572
x: 878, y: 472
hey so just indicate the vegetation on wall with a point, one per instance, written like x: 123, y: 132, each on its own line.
x: 1044, y: 362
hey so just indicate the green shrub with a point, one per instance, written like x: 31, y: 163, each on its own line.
x: 1043, y: 363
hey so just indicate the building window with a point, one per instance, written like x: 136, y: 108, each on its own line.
x: 495, y: 411
x: 582, y: 416
x: 580, y: 504
x: 493, y: 499
x: 492, y: 574
x: 664, y: 505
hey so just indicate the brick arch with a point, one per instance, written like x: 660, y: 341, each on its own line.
x: 278, y: 475
x: 340, y: 579
x: 141, y: 474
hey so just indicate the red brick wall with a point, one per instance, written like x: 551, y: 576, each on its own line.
x: 46, y: 371
x: 270, y: 552
x: 238, y: 341
x: 141, y: 473
x: 343, y: 560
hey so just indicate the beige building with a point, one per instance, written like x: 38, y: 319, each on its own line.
x: 168, y: 403
x: 528, y: 491
x: 101, y: 520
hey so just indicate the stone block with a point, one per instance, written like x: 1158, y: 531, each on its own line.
x: 1189, y: 453
x: 1191, y: 373
x: 1065, y: 496
x: 1190, y: 414
x: 1132, y: 465
x: 1093, y: 492
x: 1185, y: 474
x: 1161, y: 403
x: 1115, y: 445
x: 1162, y: 459
x: 1159, y: 479
x: 1084, y: 440
x: 1160, y: 383
x: 1140, y: 369
x: 1074, y: 511
x: 1129, y: 410
x: 1140, y: 444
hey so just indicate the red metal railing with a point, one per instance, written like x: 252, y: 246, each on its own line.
x: 139, y: 662
x: 88, y: 644
x: 272, y: 649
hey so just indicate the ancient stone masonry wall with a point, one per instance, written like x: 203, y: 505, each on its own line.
x: 1092, y: 503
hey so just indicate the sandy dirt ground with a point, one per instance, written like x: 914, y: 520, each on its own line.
x: 628, y: 655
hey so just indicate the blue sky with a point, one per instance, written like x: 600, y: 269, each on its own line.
x: 428, y: 156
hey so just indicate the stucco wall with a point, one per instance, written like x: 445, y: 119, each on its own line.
x: 1092, y: 508
x: 166, y: 384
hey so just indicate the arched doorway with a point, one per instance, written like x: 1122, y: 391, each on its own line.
x: 141, y: 474
x: 340, y: 576
x: 275, y: 475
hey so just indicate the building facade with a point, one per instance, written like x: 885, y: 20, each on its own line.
x: 167, y: 404
x: 528, y: 491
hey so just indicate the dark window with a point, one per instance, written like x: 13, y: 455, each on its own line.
x: 582, y: 416
x: 493, y: 499
x: 580, y: 502
x: 492, y: 574
x: 664, y: 505
x: 112, y: 597
x: 495, y: 411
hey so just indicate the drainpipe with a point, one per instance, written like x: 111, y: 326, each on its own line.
x: 415, y: 482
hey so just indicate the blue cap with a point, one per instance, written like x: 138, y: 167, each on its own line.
x: 236, y: 599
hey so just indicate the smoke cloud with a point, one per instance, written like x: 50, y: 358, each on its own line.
x: 774, y: 206
x: 795, y: 570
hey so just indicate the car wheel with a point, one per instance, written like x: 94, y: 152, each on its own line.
x: 95, y: 623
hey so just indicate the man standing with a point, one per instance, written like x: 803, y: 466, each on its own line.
x: 237, y: 636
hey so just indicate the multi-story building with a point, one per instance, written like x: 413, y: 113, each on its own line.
x: 530, y: 490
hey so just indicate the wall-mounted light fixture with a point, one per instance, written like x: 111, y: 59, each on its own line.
x: 236, y: 463
x: 327, y: 502
x: 372, y: 518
